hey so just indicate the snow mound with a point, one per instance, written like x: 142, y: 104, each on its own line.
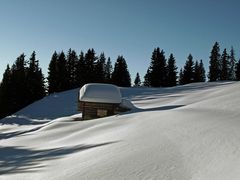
x: 187, y: 132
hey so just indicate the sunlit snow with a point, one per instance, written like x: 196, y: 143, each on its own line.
x: 189, y: 132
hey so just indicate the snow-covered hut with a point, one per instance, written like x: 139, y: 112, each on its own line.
x: 99, y: 100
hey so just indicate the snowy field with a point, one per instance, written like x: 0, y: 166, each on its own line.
x: 187, y: 132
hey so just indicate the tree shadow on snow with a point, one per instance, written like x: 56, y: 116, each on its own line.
x: 9, y: 135
x: 17, y: 159
x: 161, y: 108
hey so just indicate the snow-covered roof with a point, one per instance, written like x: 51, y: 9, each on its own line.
x: 103, y: 93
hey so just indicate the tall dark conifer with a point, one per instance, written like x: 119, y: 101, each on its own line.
x: 137, y: 81
x: 180, y: 79
x: 19, y: 95
x: 237, y: 72
x: 81, y: 70
x: 100, y: 69
x: 188, y: 71
x: 202, y: 72
x: 71, y: 69
x: 171, y: 71
x: 224, y: 75
x: 214, y: 63
x: 232, y: 63
x: 108, y: 71
x: 147, y: 78
x: 196, y: 72
x: 199, y: 72
x: 61, y: 72
x: 157, y: 73
x: 5, y: 93
x: 52, y: 74
x: 121, y: 76
x: 35, y: 80
x: 90, y: 61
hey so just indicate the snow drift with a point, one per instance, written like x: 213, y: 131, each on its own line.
x: 185, y: 132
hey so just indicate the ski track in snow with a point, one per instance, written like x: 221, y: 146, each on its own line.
x: 189, y: 132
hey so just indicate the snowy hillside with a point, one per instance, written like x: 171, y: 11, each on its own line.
x: 188, y: 132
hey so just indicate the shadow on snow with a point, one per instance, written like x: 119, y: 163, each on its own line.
x: 17, y: 159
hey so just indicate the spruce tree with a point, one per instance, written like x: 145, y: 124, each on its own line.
x: 181, y: 80
x: 188, y: 71
x: 71, y: 69
x: 232, y: 63
x: 19, y: 80
x: 157, y: 73
x: 147, y: 78
x: 121, y: 76
x: 237, y: 72
x: 202, y: 72
x: 81, y: 74
x: 90, y: 61
x: 214, y: 63
x: 137, y: 81
x: 21, y: 85
x: 224, y: 66
x: 52, y: 74
x: 197, y: 72
x: 61, y: 72
x: 108, y: 71
x: 100, y: 69
x: 35, y: 80
x: 5, y: 93
x: 171, y: 71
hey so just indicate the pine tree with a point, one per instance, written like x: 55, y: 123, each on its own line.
x: 202, y: 72
x: 61, y: 71
x: 181, y: 81
x: 214, y: 67
x: 71, y: 69
x: 52, y: 74
x: 108, y: 71
x: 188, y: 71
x: 21, y: 85
x: 232, y: 63
x: 121, y: 76
x: 137, y: 81
x: 157, y: 73
x: 237, y: 72
x: 19, y: 88
x: 224, y: 66
x: 171, y: 71
x: 197, y: 72
x: 5, y: 93
x: 100, y: 69
x: 81, y: 70
x: 34, y: 80
x: 90, y: 61
x: 147, y: 78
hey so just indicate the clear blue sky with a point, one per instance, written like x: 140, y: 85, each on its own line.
x: 132, y: 28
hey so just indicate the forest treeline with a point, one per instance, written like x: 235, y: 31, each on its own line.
x: 23, y: 82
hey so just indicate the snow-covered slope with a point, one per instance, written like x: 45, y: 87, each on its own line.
x: 185, y: 132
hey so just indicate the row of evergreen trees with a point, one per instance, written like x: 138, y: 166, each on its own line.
x: 24, y: 83
x: 72, y: 71
x: 223, y: 66
x: 161, y: 72
x: 192, y: 72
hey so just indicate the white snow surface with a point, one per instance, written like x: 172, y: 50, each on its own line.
x: 189, y: 132
x: 103, y: 93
